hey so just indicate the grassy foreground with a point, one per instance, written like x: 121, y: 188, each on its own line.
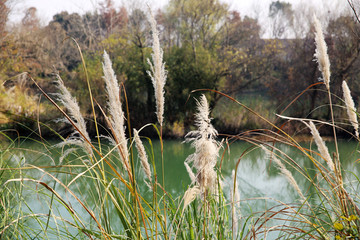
x: 124, y: 209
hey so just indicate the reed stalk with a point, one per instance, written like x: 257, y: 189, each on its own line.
x: 324, y: 66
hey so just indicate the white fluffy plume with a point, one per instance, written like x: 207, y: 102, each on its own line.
x: 321, y: 53
x: 158, y: 73
x: 350, y: 107
x: 142, y: 155
x: 190, y: 172
x: 190, y: 195
x: 74, y: 111
x: 206, y: 148
x: 321, y: 145
x: 287, y: 174
x: 117, y: 118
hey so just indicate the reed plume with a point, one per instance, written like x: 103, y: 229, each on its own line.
x: 74, y: 111
x: 350, y: 107
x: 142, y: 155
x: 321, y: 145
x: 158, y: 73
x: 190, y: 172
x: 206, y: 148
x: 321, y: 53
x: 284, y: 171
x: 117, y: 118
x: 190, y: 195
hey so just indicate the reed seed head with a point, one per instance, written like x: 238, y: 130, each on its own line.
x: 350, y: 108
x: 206, y: 148
x: 284, y: 171
x: 117, y: 118
x: 190, y: 172
x: 321, y: 145
x: 158, y: 73
x: 321, y: 55
x: 190, y: 195
x: 74, y: 110
x: 142, y: 155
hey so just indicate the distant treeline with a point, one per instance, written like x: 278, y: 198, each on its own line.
x: 206, y: 46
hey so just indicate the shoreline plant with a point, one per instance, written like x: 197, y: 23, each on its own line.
x: 124, y: 210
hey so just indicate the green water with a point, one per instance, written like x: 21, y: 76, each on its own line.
x: 260, y: 183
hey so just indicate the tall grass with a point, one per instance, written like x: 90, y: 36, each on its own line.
x: 93, y: 191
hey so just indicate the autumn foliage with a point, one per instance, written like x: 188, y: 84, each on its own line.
x: 206, y: 46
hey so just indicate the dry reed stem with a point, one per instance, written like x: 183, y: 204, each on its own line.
x: 324, y: 66
x: 118, y: 175
x: 235, y: 204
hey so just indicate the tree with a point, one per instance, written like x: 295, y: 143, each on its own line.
x: 344, y: 51
x: 248, y: 57
x: 282, y: 16
x: 197, y: 22
x: 4, y: 13
x: 114, y: 20
x: 31, y: 21
x: 240, y: 32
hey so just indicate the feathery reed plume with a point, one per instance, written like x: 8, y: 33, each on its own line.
x: 190, y: 172
x: 158, y: 73
x: 321, y: 145
x: 284, y: 171
x: 206, y: 148
x: 74, y: 110
x: 190, y: 195
x: 142, y: 155
x: 117, y: 119
x: 235, y: 198
x: 350, y: 107
x: 321, y: 53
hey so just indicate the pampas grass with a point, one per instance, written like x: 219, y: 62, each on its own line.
x: 158, y: 73
x: 74, y: 110
x: 117, y: 118
x: 321, y: 145
x: 206, y: 148
x: 350, y: 108
x: 210, y: 217
x: 190, y: 195
x: 190, y: 172
x: 324, y: 66
x: 142, y: 155
x: 287, y: 174
x: 321, y: 53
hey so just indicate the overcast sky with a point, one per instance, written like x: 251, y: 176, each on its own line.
x: 47, y: 8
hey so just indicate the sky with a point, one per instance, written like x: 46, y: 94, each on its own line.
x: 47, y: 8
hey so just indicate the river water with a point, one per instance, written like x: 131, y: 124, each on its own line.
x: 260, y: 183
